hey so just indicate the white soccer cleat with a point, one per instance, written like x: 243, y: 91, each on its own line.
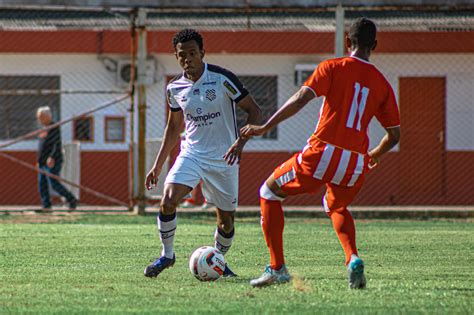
x: 271, y: 276
x: 355, y: 274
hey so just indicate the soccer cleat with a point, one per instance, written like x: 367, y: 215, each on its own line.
x: 228, y: 273
x: 158, y: 266
x: 355, y: 274
x: 271, y: 276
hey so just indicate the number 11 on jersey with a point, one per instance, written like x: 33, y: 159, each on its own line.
x: 357, y: 107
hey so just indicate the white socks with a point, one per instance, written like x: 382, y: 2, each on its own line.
x: 353, y: 257
x: 167, y: 228
x: 223, y: 240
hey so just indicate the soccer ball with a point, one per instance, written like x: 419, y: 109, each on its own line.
x: 207, y: 263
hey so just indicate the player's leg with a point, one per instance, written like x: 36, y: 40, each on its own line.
x: 335, y: 203
x: 182, y: 178
x: 287, y: 179
x: 272, y: 221
x: 166, y: 221
x: 220, y: 187
x: 224, y: 235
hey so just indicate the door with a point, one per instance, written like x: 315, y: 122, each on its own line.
x: 422, y: 145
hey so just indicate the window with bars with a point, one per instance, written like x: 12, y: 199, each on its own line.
x: 18, y: 112
x: 264, y: 90
x: 83, y: 129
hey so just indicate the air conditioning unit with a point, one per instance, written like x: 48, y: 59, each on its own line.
x: 124, y: 71
x: 303, y: 71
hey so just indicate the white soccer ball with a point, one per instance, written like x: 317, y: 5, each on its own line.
x: 207, y: 263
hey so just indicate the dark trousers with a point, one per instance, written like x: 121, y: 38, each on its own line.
x: 43, y: 181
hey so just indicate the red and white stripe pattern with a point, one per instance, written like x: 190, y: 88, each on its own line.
x: 339, y: 166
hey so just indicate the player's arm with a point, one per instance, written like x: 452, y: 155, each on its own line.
x: 293, y: 105
x: 253, y: 111
x: 254, y: 116
x: 171, y: 137
x: 391, y: 139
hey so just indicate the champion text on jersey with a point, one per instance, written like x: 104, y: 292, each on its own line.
x: 206, y: 118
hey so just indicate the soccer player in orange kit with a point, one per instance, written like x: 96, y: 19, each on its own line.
x: 336, y: 154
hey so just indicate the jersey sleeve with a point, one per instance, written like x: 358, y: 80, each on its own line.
x: 320, y: 81
x: 233, y: 88
x: 172, y: 103
x: 388, y: 114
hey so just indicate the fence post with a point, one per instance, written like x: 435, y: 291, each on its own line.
x: 339, y: 38
x: 141, y: 89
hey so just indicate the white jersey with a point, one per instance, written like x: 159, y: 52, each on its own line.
x: 208, y: 107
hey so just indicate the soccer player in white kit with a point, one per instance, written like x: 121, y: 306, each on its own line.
x: 204, y: 97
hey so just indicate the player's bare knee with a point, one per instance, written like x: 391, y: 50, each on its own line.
x: 168, y: 205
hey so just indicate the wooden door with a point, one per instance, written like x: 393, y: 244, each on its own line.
x: 422, y: 146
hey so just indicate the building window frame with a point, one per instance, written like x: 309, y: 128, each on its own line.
x: 107, y: 120
x: 91, y: 129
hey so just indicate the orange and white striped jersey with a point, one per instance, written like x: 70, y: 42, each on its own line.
x: 355, y: 91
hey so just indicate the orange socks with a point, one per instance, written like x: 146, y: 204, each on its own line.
x: 343, y: 224
x: 273, y: 222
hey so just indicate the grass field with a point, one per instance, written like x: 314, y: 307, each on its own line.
x: 94, y: 264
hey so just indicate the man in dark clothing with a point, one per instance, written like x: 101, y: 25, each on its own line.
x: 50, y: 159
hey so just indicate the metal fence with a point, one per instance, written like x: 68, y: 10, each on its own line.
x: 82, y: 64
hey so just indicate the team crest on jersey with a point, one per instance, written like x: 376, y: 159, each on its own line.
x: 211, y: 94
x: 230, y: 87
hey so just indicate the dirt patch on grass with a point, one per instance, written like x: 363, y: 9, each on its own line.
x: 36, y: 217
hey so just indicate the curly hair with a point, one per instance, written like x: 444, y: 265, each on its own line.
x: 362, y: 33
x: 187, y: 35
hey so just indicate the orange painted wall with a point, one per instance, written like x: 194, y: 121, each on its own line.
x: 107, y: 172
x: 18, y: 184
x: 230, y: 42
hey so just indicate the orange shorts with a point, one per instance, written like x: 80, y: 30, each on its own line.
x: 319, y: 164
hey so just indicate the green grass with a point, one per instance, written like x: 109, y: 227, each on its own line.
x: 95, y: 265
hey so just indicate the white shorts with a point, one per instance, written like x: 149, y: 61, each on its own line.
x: 220, y: 184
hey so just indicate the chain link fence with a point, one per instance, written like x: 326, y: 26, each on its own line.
x: 80, y: 63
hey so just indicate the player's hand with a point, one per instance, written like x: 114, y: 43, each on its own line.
x: 152, y: 178
x: 50, y: 162
x: 252, y: 130
x: 373, y: 160
x: 233, y: 154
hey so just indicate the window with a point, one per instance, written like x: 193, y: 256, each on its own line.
x: 264, y: 91
x: 84, y: 129
x: 18, y: 112
x: 114, y: 129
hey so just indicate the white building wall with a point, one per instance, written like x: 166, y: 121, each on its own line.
x: 88, y: 73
